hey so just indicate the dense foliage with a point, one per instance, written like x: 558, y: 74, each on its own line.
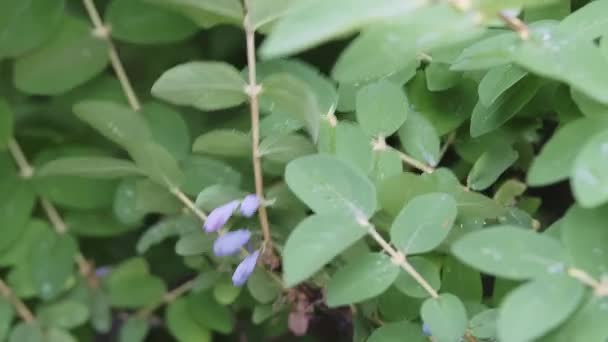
x: 357, y: 170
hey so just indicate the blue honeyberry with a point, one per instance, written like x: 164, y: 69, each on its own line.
x: 219, y: 216
x: 231, y: 242
x: 249, y: 205
x: 245, y: 268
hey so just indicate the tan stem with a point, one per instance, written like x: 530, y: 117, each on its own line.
x: 168, y: 298
x: 188, y: 203
x: 22, y: 310
x: 413, y: 162
x: 515, y: 24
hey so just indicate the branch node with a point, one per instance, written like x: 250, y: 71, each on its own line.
x: 102, y: 32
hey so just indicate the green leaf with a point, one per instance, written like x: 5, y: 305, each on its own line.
x: 552, y: 298
x: 209, y: 313
x: 556, y: 160
x: 114, y: 121
x: 488, y: 118
x: 585, y: 239
x: 284, y: 148
x: 262, y: 287
x: 26, y: 332
x: 261, y: 313
x: 424, y: 223
x: 589, y: 179
x: 588, y: 106
x: 316, y: 241
x: 382, y: 107
x: 95, y: 224
x: 445, y: 316
x: 19, y: 251
x: 170, y: 226
x: 489, y: 52
x: 131, y: 286
x: 362, y: 278
x: 353, y: 146
x: 291, y: 96
x: 224, y: 292
x: 206, y: 13
x: 427, y: 269
x: 586, y: 23
x: 227, y: 143
x: 490, y: 165
x: 313, y: 22
x: 194, y: 243
x: 483, y: 325
x: 498, y: 80
x: 93, y: 167
x: 134, y: 330
x: 419, y: 138
x: 586, y: 324
x: 16, y: 207
x: 461, y: 280
x: 59, y: 65
x: 25, y: 25
x: 168, y: 128
x: 397, y: 332
x: 266, y: 12
x: 330, y: 186
x: 182, y: 324
x: 7, y: 313
x: 439, y: 77
x: 52, y: 264
x: 157, y: 163
x: 6, y: 124
x: 66, y: 314
x: 510, y: 252
x: 154, y: 25
x: 203, y: 85
x: 201, y: 172
x: 386, y: 163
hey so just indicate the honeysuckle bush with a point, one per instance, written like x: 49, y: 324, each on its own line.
x: 315, y: 170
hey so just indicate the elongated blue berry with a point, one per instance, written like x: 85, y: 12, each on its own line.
x: 231, y: 242
x: 426, y: 330
x: 249, y: 205
x: 245, y: 268
x: 219, y: 216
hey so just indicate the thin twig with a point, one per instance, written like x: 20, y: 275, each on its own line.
x: 168, y: 298
x: 103, y: 32
x: 25, y: 169
x: 516, y: 24
x: 253, y: 90
x: 53, y: 215
x: 448, y: 142
x: 413, y: 162
x: 22, y: 310
x: 188, y: 203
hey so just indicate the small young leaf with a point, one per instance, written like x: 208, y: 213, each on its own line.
x: 492, y: 163
x: 445, y: 316
x: 419, y: 138
x: 203, y: 85
x: 382, y: 107
x: 362, y: 278
x: 316, y: 241
x: 423, y: 223
x: 553, y: 298
x: 510, y: 252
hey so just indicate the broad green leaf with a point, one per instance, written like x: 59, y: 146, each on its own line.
x: 291, y: 96
x: 92, y: 167
x: 489, y: 52
x: 209, y: 313
x: 171, y: 226
x: 182, y: 324
x: 124, y: 206
x: 158, y: 164
x: 385, y: 164
x: 498, y: 80
x: 397, y: 332
x: 586, y: 324
x: 284, y: 148
x: 395, y: 306
x: 588, y: 106
x: 224, y: 292
x: 26, y: 332
x: 313, y: 22
x: 95, y: 224
x: 154, y: 24
x: 587, y: 69
x: 261, y: 313
x: 59, y: 335
x: 52, y: 264
x: 316, y: 241
x: 168, y: 128
x: 16, y: 206
x: 223, y: 143
x: 194, y: 243
x: 588, y: 178
x: 424, y: 223
x: 216, y: 195
x: 427, y: 269
x: 488, y: 118
x: 114, y: 121
x: 552, y: 298
x: 6, y: 124
x: 587, y: 23
x: 264, y: 12
x: 419, y: 138
x: 134, y: 330
x: 382, y: 107
x: 60, y: 64
x: 330, y: 186
x: 278, y: 124
x: 206, y: 13
x: 585, y: 239
x: 66, y: 314
x: 490, y: 165
x: 136, y: 291
x: 362, y: 278
x: 556, y: 160
x: 439, y: 77
x: 353, y: 146
x: 6, y: 317
x: 461, y: 280
x: 483, y: 325
x: 445, y: 316
x: 204, y: 85
x: 27, y: 24
x: 201, y: 172
x: 510, y: 252
x: 509, y: 191
x: 262, y: 287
